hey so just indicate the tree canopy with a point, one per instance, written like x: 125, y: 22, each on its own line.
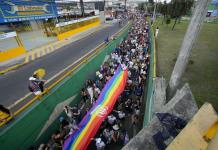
x: 173, y: 10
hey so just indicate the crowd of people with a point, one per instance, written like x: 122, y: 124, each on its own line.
x: 131, y: 54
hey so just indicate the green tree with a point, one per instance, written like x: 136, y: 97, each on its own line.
x: 150, y: 8
x: 163, y: 10
x: 141, y: 6
x: 175, y: 10
x: 179, y: 8
x: 146, y: 6
x: 168, y: 21
x: 151, y: 1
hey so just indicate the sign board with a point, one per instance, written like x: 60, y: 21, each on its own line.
x: 74, y: 21
x: 7, y: 35
x: 22, y: 10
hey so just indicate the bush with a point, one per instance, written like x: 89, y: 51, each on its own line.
x: 168, y: 20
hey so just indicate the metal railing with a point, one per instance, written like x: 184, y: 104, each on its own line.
x: 151, y: 78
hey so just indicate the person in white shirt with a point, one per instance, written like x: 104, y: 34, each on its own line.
x: 121, y: 114
x: 130, y: 64
x: 133, y: 50
x: 69, y: 112
x: 36, y: 85
x: 129, y: 74
x: 100, y: 145
x: 96, y: 89
x: 113, y: 56
x: 91, y: 93
x: 107, y: 133
x: 124, y: 67
x: 111, y: 119
x: 112, y: 70
x: 156, y: 32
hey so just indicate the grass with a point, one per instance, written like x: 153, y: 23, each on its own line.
x: 202, y: 70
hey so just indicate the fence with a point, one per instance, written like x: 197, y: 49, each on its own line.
x: 39, y: 121
x: 150, y: 83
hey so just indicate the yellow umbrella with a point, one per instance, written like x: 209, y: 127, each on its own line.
x: 40, y: 72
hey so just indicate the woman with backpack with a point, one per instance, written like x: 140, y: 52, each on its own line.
x: 36, y: 85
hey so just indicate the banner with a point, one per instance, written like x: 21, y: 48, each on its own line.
x: 7, y: 35
x: 61, y: 24
x: 22, y: 10
x: 100, y: 110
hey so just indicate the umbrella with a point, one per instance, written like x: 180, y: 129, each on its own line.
x: 40, y: 72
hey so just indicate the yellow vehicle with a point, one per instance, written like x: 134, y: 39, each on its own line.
x: 4, y: 113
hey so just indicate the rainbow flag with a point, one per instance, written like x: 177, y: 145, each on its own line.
x: 97, y: 114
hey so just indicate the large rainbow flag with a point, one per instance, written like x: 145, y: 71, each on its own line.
x: 97, y: 114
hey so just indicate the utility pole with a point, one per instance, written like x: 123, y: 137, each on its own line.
x: 125, y: 4
x: 154, y: 12
x: 82, y: 8
x: 146, y: 6
x: 185, y: 50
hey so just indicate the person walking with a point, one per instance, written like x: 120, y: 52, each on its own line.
x: 156, y: 32
x: 36, y: 85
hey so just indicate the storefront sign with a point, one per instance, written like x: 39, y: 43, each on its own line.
x: 22, y: 10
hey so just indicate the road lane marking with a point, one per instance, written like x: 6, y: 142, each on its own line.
x: 59, y: 73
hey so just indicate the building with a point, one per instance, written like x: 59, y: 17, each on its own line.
x: 19, y: 21
x: 28, y: 24
x: 213, y: 9
x: 23, y: 15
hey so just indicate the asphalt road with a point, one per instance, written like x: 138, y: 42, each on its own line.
x: 14, y: 85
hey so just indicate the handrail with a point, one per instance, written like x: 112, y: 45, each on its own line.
x: 152, y: 76
x: 88, y: 57
x: 155, y: 56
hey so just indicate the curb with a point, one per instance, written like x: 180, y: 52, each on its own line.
x: 41, y: 51
x: 51, y: 47
x: 92, y: 53
x: 12, y: 68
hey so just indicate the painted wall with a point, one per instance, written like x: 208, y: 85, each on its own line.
x: 78, y: 30
x: 12, y: 53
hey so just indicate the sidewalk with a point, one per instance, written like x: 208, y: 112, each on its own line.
x: 46, y: 49
x: 34, y: 39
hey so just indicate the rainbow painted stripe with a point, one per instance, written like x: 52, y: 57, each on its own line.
x: 93, y: 119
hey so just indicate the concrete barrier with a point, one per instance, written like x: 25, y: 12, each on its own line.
x: 12, y: 53
x: 78, y: 30
x: 182, y: 105
x: 36, y: 124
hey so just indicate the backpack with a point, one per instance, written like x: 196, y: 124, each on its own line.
x: 32, y: 86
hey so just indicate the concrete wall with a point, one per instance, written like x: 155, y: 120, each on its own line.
x: 159, y: 97
x: 182, y: 105
x: 192, y: 136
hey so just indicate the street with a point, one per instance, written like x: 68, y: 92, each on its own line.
x: 14, y: 85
